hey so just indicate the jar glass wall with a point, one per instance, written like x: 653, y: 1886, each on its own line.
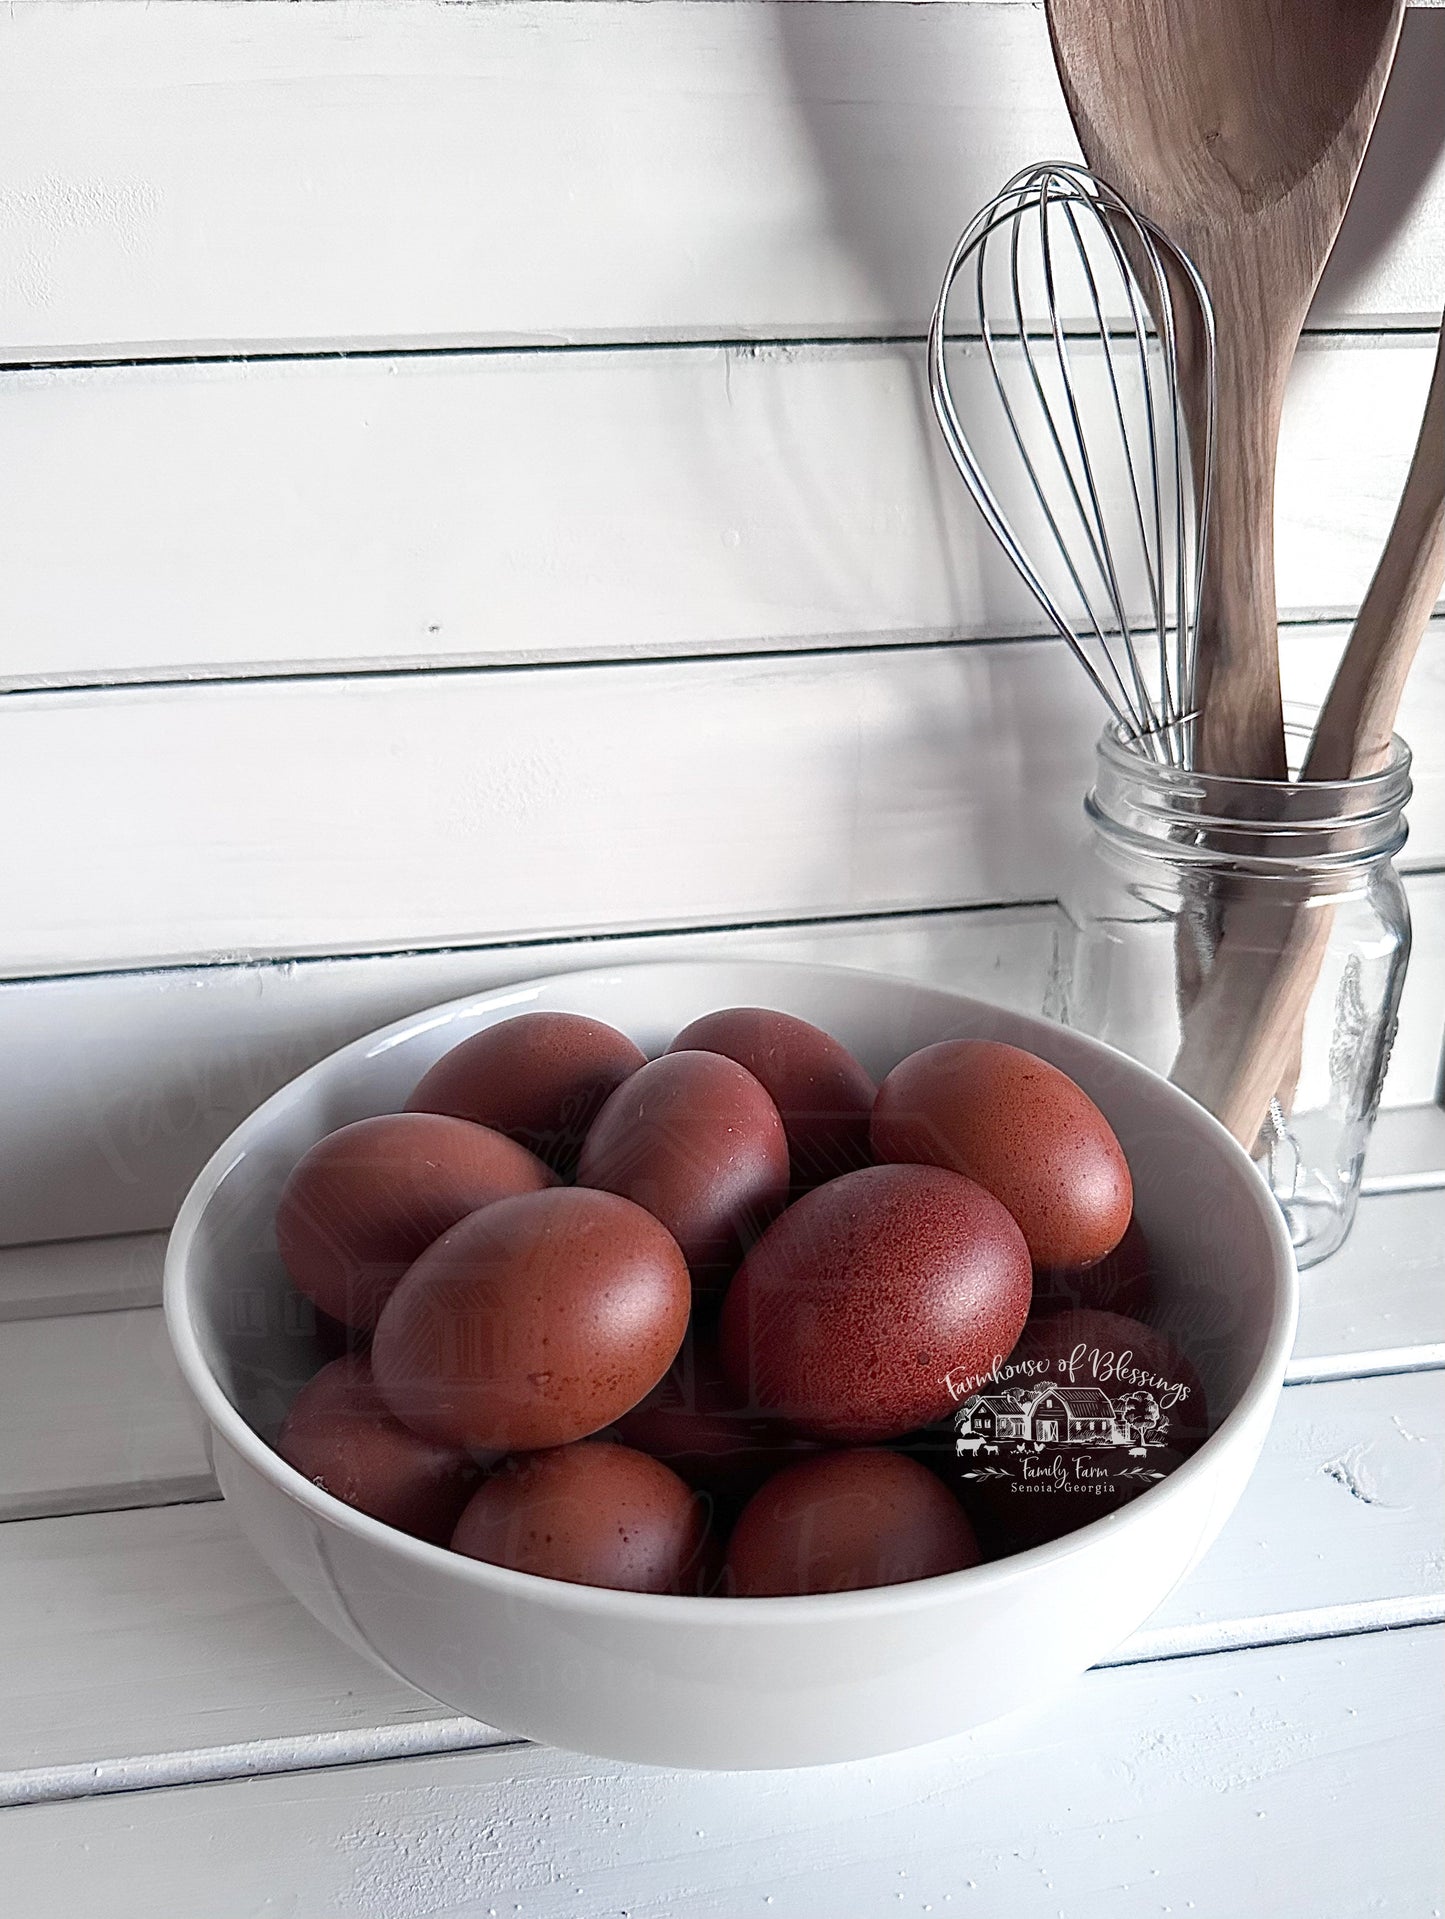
x: 1247, y: 938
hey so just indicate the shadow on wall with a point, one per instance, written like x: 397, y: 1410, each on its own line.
x: 895, y: 181
x: 1407, y: 148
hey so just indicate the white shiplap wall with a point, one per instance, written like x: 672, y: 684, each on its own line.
x: 422, y: 424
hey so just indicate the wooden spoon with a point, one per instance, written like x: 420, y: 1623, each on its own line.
x: 1352, y: 735
x: 1237, y: 126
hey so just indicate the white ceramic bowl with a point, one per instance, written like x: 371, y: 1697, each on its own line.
x: 727, y: 1682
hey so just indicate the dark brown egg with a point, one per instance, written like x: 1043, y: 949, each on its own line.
x: 824, y: 1096
x: 846, y: 1520
x: 534, y: 1322
x: 541, y: 1078
x: 366, y: 1200
x: 1120, y: 1282
x: 870, y: 1296
x: 698, y: 1425
x: 594, y: 1514
x: 1023, y: 1130
x: 695, y: 1139
x: 341, y: 1436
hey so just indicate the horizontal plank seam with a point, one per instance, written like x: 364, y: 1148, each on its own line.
x: 1327, y: 1371
x: 230, y: 963
x: 333, y: 1752
x: 750, y: 346
x: 929, y: 641
x: 78, y: 1502
x: 1355, y: 1620
x: 203, y: 1498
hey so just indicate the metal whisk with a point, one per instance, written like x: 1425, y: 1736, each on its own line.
x: 1073, y: 350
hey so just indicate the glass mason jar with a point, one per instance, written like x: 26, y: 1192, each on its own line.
x: 1247, y: 938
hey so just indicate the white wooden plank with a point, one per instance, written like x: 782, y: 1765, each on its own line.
x: 1221, y: 1784
x: 145, y: 1648
x: 260, y: 819
x: 1379, y: 1303
x: 1407, y: 1150
x: 93, y: 1415
x: 287, y: 516
x: 181, y: 177
x: 308, y: 816
x: 81, y: 1276
x: 121, y: 1085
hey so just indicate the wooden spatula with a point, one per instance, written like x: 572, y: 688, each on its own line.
x: 1240, y: 1044
x: 1237, y: 126
x: 1352, y: 735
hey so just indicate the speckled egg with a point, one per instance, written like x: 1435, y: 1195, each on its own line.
x: 706, y: 1432
x: 860, y: 1308
x: 365, y: 1201
x: 822, y: 1093
x: 541, y: 1078
x: 342, y: 1437
x: 534, y: 1322
x: 695, y: 1139
x: 846, y: 1520
x: 1023, y: 1130
x: 594, y: 1514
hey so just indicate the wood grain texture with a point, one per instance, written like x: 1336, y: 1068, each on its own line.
x: 181, y: 177
x: 141, y: 1648
x: 1238, y: 128
x: 166, y: 522
x: 1226, y: 1781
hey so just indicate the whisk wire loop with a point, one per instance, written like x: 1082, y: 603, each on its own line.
x: 1083, y: 366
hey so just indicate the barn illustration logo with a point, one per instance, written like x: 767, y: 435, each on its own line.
x: 1039, y: 1431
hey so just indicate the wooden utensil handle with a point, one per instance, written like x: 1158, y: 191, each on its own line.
x: 1241, y: 730
x: 1352, y: 737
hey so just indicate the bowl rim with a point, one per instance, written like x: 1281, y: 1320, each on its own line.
x: 911, y: 1596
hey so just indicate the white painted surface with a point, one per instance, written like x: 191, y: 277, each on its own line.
x: 1225, y: 1781
x: 315, y: 816
x: 181, y: 176
x: 93, y: 1416
x: 142, y: 1647
x: 1406, y: 1147
x: 1380, y: 1302
x: 81, y: 1276
x: 164, y: 521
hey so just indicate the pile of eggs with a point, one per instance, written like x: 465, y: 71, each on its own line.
x: 699, y: 1324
